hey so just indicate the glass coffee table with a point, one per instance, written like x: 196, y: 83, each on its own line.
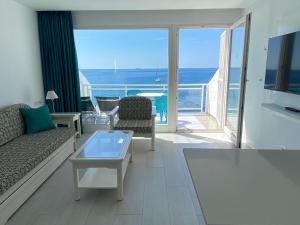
x: 104, y: 159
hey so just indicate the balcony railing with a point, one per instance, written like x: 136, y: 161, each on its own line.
x: 233, y: 98
x: 191, y: 97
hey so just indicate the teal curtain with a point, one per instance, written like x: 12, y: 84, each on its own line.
x: 59, y: 61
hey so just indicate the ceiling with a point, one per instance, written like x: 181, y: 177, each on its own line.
x: 133, y: 4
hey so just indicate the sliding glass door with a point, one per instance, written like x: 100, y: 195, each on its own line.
x: 237, y: 78
x: 198, y: 78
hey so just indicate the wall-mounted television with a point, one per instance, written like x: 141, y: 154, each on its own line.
x: 283, y: 63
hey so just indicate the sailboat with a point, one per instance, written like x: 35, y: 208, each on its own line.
x: 157, y: 79
x: 115, y: 64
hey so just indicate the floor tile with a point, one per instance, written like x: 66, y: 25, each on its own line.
x: 158, y: 189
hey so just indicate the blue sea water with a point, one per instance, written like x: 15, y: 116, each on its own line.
x: 147, y: 76
x: 187, y: 98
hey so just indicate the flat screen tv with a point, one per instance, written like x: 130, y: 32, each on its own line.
x: 283, y: 63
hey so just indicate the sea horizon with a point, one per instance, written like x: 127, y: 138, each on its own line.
x: 187, y: 98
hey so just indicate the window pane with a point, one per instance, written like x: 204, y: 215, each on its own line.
x: 118, y: 63
x: 198, y: 78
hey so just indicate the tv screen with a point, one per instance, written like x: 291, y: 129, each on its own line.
x: 294, y: 72
x: 283, y: 63
x: 272, y: 62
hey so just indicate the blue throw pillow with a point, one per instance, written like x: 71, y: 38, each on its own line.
x: 37, y: 119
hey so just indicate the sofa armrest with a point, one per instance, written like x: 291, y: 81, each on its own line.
x: 111, y: 116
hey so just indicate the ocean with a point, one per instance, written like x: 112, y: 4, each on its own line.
x: 188, y: 99
x: 147, y: 76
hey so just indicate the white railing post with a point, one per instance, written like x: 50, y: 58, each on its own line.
x: 206, y: 97
x: 125, y: 89
x: 202, y: 98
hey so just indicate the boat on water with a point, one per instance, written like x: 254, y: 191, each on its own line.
x: 157, y: 79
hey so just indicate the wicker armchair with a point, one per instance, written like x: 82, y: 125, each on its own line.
x: 135, y: 113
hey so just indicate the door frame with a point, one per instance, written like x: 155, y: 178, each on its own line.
x: 237, y: 139
x: 174, y: 127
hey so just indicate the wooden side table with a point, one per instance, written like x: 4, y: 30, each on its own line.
x: 69, y: 119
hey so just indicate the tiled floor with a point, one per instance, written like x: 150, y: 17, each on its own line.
x: 187, y: 121
x: 196, y: 121
x: 158, y: 190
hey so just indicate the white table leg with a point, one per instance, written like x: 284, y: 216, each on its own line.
x: 76, y: 180
x: 120, y: 182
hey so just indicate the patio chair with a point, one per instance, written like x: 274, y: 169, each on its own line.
x: 135, y: 113
x: 86, y: 104
x: 107, y: 104
x: 88, y: 109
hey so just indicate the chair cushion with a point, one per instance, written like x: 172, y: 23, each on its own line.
x: 137, y: 126
x: 11, y: 123
x: 37, y: 119
x: 135, y: 108
x: 24, y: 153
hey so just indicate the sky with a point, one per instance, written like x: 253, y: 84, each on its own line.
x: 146, y: 48
x: 237, y: 47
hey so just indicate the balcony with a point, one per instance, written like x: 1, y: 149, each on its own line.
x: 198, y: 104
x: 202, y: 90
x: 192, y: 100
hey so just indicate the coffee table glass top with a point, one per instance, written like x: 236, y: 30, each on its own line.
x: 105, y: 144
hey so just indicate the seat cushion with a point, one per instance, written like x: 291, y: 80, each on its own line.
x: 138, y: 126
x: 24, y: 153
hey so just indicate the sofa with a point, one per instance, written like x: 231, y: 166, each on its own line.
x: 27, y: 160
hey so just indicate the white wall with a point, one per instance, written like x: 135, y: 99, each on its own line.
x: 100, y: 19
x: 262, y: 128
x: 20, y: 65
x: 217, y: 92
x: 84, y: 88
x: 212, y: 95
